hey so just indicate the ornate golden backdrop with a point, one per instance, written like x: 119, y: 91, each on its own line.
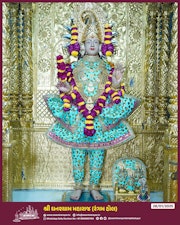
x: 147, y: 47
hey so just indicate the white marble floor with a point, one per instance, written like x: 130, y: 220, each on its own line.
x: 36, y: 195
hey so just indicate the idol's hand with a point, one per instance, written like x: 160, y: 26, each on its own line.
x: 117, y: 76
x: 64, y: 86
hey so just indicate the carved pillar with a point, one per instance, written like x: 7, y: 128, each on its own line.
x: 17, y: 93
x: 6, y: 140
x: 173, y: 75
x: 157, y: 84
x: 6, y: 176
x: 26, y: 87
x: 6, y: 73
x: 150, y: 66
x: 20, y: 63
x: 157, y: 64
x: 23, y: 148
x: 14, y: 81
x: 171, y: 135
x: 163, y: 61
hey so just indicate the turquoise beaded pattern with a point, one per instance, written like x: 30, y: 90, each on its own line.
x: 96, y: 164
x: 127, y: 173
x: 62, y: 131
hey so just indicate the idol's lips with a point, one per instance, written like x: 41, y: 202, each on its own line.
x: 92, y: 48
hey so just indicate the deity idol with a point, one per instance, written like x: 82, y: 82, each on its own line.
x: 92, y: 106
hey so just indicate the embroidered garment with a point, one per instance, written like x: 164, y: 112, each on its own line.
x: 111, y: 127
x: 96, y: 164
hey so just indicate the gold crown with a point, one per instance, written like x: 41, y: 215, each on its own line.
x: 91, y: 31
x: 92, y: 27
x: 90, y: 20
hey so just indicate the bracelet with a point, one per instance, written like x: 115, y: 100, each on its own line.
x: 94, y: 187
x: 115, y: 89
x: 121, y: 86
x: 79, y: 186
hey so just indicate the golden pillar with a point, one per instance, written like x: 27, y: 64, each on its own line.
x: 17, y: 93
x: 26, y: 87
x: 171, y: 135
x: 10, y: 93
x: 163, y: 60
x: 161, y: 94
x: 150, y: 69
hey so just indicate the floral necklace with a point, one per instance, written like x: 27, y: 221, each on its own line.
x: 65, y: 74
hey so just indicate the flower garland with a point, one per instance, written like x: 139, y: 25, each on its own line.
x: 74, y: 46
x: 107, y: 47
x: 65, y: 74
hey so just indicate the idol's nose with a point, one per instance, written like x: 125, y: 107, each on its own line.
x: 92, y: 43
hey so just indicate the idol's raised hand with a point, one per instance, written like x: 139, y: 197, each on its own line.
x: 117, y: 75
x: 64, y: 86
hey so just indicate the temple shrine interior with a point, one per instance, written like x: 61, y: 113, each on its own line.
x: 34, y: 168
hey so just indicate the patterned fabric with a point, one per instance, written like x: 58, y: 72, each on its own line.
x: 90, y: 75
x: 96, y: 164
x: 127, y: 173
x: 111, y: 129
